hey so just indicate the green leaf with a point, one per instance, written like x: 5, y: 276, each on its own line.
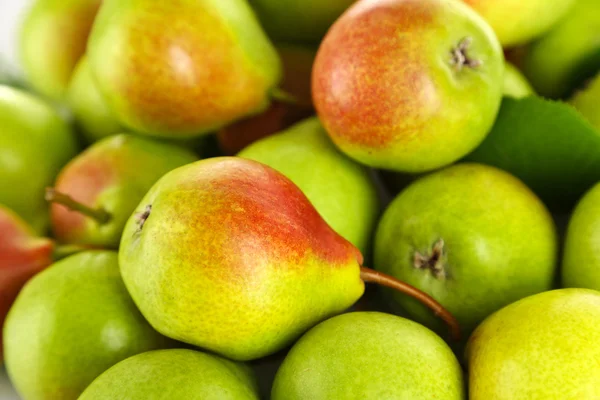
x: 548, y: 145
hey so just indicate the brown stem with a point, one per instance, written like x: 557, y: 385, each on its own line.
x: 371, y: 276
x: 100, y: 215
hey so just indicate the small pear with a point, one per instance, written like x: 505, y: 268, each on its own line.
x: 581, y: 258
x: 175, y: 374
x: 545, y: 346
x: 369, y: 356
x: 96, y: 191
x: 69, y: 324
x: 341, y: 190
x: 229, y: 255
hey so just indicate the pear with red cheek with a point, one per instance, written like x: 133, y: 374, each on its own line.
x: 408, y: 85
x: 229, y: 255
x: 22, y: 255
x: 182, y: 68
x: 97, y: 191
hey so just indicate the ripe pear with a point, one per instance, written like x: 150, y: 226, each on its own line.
x: 69, y: 324
x: 546, y: 346
x: 369, y: 355
x: 175, y: 374
x: 587, y: 101
x: 473, y: 237
x: 299, y: 21
x: 515, y: 83
x: 408, y: 85
x: 53, y: 37
x: 517, y: 22
x: 568, y: 54
x: 22, y: 255
x: 170, y: 68
x: 97, y: 191
x: 581, y: 258
x: 35, y: 143
x: 341, y: 190
x: 229, y: 255
x: 92, y: 114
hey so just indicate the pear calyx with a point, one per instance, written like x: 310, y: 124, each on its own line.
x: 100, y: 215
x: 460, y: 55
x: 434, y: 261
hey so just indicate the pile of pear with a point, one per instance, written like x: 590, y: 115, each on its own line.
x: 195, y: 193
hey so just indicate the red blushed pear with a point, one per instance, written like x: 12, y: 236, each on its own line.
x: 96, y: 192
x: 229, y: 255
x: 22, y: 255
x: 182, y: 68
x: 408, y: 85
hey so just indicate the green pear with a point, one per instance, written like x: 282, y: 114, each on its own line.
x: 69, y: 324
x: 545, y: 346
x: 94, y: 118
x: 581, y: 258
x: 169, y: 68
x: 587, y: 101
x: 229, y: 255
x: 34, y: 145
x: 473, y: 237
x: 569, y: 54
x: 176, y: 374
x: 369, y: 355
x: 299, y: 21
x: 517, y: 22
x: 409, y: 86
x: 515, y: 83
x: 53, y: 37
x: 96, y: 192
x: 341, y: 190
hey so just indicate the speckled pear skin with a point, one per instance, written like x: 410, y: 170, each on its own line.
x: 175, y: 374
x: 53, y: 37
x: 388, y: 93
x: 22, y: 255
x: 546, y: 346
x: 113, y: 174
x: 369, y: 356
x: 69, y: 324
x: 233, y: 258
x: 518, y: 22
x: 170, y: 68
x: 581, y: 256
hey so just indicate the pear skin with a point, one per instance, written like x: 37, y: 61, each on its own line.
x: 109, y: 179
x: 169, y: 68
x: 53, y: 38
x: 587, y: 101
x: 515, y: 83
x: 408, y: 85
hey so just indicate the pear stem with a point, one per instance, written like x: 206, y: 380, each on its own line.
x: 100, y: 215
x: 280, y: 95
x: 371, y: 276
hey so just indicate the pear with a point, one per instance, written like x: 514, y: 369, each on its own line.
x: 473, y: 237
x: 546, y: 346
x: 35, y: 143
x: 587, y: 101
x: 299, y: 21
x: 97, y: 191
x: 517, y: 22
x: 369, y: 355
x: 69, y: 324
x: 581, y: 258
x: 341, y: 190
x: 53, y: 37
x: 408, y: 85
x: 229, y: 255
x: 22, y: 255
x: 93, y: 116
x: 170, y: 68
x: 176, y: 374
x: 515, y: 83
x: 568, y: 55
